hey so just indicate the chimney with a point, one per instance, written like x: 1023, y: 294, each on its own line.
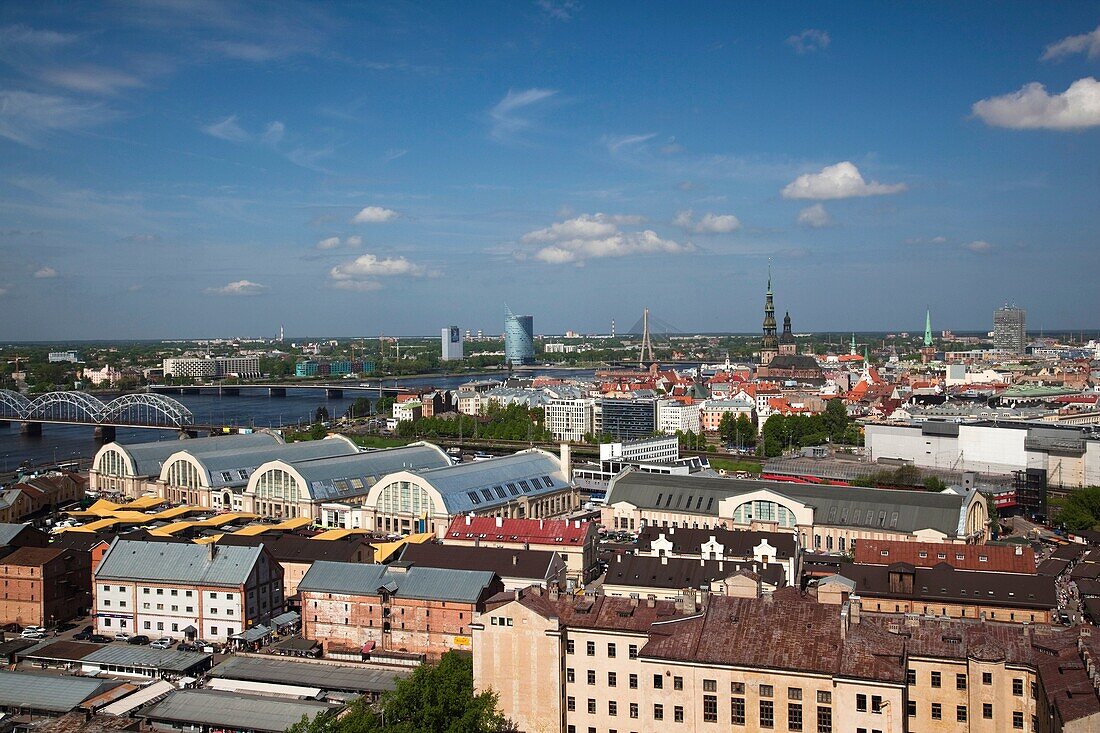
x: 500, y: 521
x: 650, y: 601
x: 672, y: 530
x: 633, y: 600
x: 844, y: 621
x: 469, y: 519
x: 212, y: 550
x: 664, y: 559
x: 515, y: 559
x: 854, y: 605
x: 702, y: 562
x: 619, y: 557
x: 554, y: 592
x: 577, y: 524
x: 517, y: 594
x: 541, y: 525
x: 1019, y: 549
x: 567, y: 462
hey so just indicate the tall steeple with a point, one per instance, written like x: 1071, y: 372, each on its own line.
x: 928, y: 328
x: 786, y: 341
x: 853, y: 349
x: 769, y: 345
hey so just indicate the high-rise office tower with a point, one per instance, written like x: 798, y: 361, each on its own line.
x: 519, y: 339
x: 451, y: 339
x: 1010, y: 329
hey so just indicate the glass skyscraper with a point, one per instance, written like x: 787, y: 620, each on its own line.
x: 519, y: 339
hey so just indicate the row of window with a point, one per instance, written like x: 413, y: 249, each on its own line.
x: 590, y: 649
x: 503, y: 491
x: 795, y: 720
x: 935, y: 680
x: 172, y: 592
x: 962, y: 713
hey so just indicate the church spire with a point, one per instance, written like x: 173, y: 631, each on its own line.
x: 927, y: 327
x: 769, y: 345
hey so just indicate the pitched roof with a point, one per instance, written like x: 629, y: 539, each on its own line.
x: 178, y: 562
x: 32, y: 556
x: 214, y: 708
x: 10, y: 532
x: 944, y: 584
x: 149, y: 457
x: 224, y: 467
x: 48, y: 692
x: 438, y: 584
x: 296, y: 548
x: 335, y: 478
x: 478, y: 485
x: 993, y: 558
x: 645, y: 571
x: 536, y: 565
x: 555, y: 532
x: 735, y: 543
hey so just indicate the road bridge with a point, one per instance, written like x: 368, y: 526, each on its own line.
x: 78, y: 408
x: 279, y: 389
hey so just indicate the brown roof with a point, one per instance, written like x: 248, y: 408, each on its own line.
x: 32, y: 556
x: 537, y: 565
x: 296, y: 548
x: 646, y: 571
x: 71, y: 650
x: 736, y: 543
x: 998, y: 558
x: 944, y: 584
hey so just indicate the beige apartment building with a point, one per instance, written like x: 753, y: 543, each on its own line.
x: 784, y: 662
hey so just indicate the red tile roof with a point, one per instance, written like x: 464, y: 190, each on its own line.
x: 961, y: 557
x: 555, y: 532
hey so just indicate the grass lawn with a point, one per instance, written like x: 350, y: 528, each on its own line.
x: 732, y: 464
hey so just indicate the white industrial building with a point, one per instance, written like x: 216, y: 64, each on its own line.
x: 451, y: 343
x: 1070, y: 455
x: 673, y: 417
x: 571, y: 419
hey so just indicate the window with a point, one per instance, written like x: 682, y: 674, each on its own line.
x: 911, y: 708
x: 911, y: 676
x: 213, y: 596
x: 937, y: 711
x: 876, y: 704
x: 1018, y: 687
x: 634, y: 710
x: 658, y: 712
x: 633, y: 681
x: 590, y: 648
x: 148, y: 625
x: 677, y: 683
x: 1017, y: 719
x: 767, y: 714
x: 678, y: 714
x: 737, y: 710
x: 612, y: 679
x: 794, y: 693
x: 987, y: 678
x: 658, y: 682
x: 710, y: 708
x: 633, y: 651
x: 611, y: 651
x: 591, y: 676
x: 960, y: 713
x: 612, y: 708
x: 794, y: 716
x: 591, y: 706
x: 935, y: 679
x: 960, y: 682
x: 824, y: 719
x: 861, y: 703
x: 766, y: 691
x: 570, y: 675
x: 569, y: 646
x: 570, y: 703
x: 474, y: 498
x: 987, y: 710
x: 737, y: 688
x: 824, y: 697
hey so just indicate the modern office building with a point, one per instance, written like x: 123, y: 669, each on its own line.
x: 60, y: 357
x: 1010, y: 329
x: 451, y: 340
x: 246, y: 367
x: 571, y: 419
x: 519, y: 339
x: 628, y: 419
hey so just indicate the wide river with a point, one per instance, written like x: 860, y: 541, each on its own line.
x: 63, y: 443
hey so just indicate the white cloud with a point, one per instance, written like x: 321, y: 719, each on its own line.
x: 91, y: 79
x: 814, y: 217
x: 244, y: 51
x: 933, y: 240
x: 46, y: 272
x: 1088, y: 43
x: 504, y: 116
x: 374, y: 215
x: 3, y: 291
x: 1032, y: 108
x: 21, y: 35
x: 227, y: 129
x: 273, y: 134
x: 708, y: 223
x: 594, y: 236
x: 979, y: 246
x: 239, y: 287
x: 559, y: 9
x: 363, y: 272
x: 394, y: 154
x: 938, y: 240
x: 840, y: 181
x: 809, y: 40
x: 329, y: 243
x: 26, y: 116
x: 615, y: 142
x: 353, y: 241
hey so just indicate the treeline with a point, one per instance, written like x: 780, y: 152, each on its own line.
x: 783, y: 432
x: 514, y: 422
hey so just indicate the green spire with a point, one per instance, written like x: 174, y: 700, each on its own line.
x: 853, y: 343
x: 928, y: 328
x: 865, y: 359
x: 769, y: 276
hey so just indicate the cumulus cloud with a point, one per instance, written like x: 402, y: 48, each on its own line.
x: 1033, y: 108
x: 980, y: 246
x: 708, y: 223
x: 1087, y: 43
x: 840, y: 181
x: 353, y: 241
x: 239, y: 287
x: 25, y: 117
x: 374, y: 215
x: 809, y: 40
x: 227, y: 129
x: 363, y: 272
x: 45, y: 273
x: 814, y: 217
x: 594, y: 236
x: 333, y: 242
x: 506, y: 118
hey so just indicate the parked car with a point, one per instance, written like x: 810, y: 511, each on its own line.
x: 84, y: 634
x: 162, y: 643
x: 32, y: 632
x: 138, y: 639
x: 122, y: 636
x: 99, y: 639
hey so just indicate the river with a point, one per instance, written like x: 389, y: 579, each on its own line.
x: 65, y: 443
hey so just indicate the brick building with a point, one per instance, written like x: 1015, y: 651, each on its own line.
x: 35, y: 497
x: 296, y: 554
x: 393, y: 608
x: 989, y: 558
x: 43, y: 586
x: 576, y: 541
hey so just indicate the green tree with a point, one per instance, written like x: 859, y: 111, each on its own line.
x: 835, y: 418
x: 437, y: 698
x: 321, y: 415
x: 1080, y: 509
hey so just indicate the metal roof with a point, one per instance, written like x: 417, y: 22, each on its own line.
x: 48, y: 692
x: 9, y: 532
x: 851, y: 506
x: 234, y: 459
x: 178, y: 562
x: 234, y: 711
x: 132, y: 655
x: 439, y: 584
x: 328, y: 676
x: 538, y: 470
x: 333, y: 479
x: 149, y: 457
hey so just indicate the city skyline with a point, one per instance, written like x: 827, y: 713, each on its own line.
x: 194, y: 168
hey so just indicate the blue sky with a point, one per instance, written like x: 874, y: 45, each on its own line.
x: 180, y: 168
